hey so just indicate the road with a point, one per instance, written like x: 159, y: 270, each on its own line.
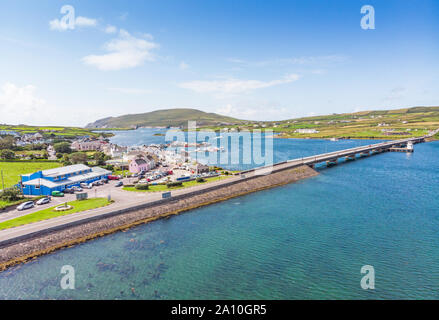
x: 126, y: 199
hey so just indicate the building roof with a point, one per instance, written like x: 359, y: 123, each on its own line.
x: 140, y: 161
x: 64, y: 170
x: 96, y: 172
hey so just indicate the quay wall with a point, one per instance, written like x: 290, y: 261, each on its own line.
x: 30, y: 246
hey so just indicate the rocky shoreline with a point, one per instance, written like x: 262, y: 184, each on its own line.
x: 30, y: 249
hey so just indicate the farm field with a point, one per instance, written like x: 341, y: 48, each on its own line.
x: 381, y: 124
x: 13, y: 169
x: 54, y: 131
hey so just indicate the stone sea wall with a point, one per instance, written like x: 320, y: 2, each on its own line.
x: 31, y: 248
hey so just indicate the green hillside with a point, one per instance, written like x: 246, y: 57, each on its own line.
x: 378, y: 124
x: 164, y: 118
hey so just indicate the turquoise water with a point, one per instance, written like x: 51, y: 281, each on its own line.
x: 306, y: 240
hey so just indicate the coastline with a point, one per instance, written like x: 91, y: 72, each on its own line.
x: 27, y: 250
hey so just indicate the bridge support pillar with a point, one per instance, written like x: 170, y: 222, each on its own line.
x: 364, y: 154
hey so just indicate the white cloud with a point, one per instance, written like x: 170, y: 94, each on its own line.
x: 260, y: 111
x: 23, y: 105
x: 85, y: 22
x: 110, y: 29
x: 306, y: 60
x: 130, y: 90
x: 234, y: 86
x: 183, y: 65
x: 59, y: 25
x: 125, y: 51
x: 18, y: 104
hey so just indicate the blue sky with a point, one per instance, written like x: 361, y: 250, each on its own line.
x: 261, y: 60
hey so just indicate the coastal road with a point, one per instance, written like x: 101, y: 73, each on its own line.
x: 126, y: 199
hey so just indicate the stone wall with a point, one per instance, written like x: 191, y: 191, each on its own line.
x: 42, y: 244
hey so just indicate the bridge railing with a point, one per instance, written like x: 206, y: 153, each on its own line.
x: 339, y: 153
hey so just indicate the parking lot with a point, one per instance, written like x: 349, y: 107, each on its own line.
x: 109, y: 189
x: 106, y: 190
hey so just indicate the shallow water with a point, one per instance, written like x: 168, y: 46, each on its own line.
x: 306, y: 240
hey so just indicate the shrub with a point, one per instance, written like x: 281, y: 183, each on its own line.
x: 109, y: 167
x: 141, y: 186
x: 200, y: 179
x: 10, y: 194
x: 174, y: 184
x: 78, y: 157
x: 7, y: 154
x: 62, y: 147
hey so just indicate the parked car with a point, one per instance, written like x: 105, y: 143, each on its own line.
x: 86, y: 185
x: 77, y: 189
x: 104, y: 180
x: 57, y: 194
x: 25, y: 205
x: 113, y: 178
x: 69, y: 190
x: 43, y: 201
x: 119, y: 184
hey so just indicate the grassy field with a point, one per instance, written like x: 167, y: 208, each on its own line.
x: 12, y: 170
x: 163, y: 187
x: 383, y: 124
x: 60, y: 132
x: 121, y: 172
x: 78, y: 206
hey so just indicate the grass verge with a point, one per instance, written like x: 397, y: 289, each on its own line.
x: 45, y: 214
x: 163, y: 187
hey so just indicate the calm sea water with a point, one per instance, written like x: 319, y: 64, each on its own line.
x: 306, y: 240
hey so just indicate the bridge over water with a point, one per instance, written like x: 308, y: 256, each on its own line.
x: 29, y: 231
x: 331, y: 158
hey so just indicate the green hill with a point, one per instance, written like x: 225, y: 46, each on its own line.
x: 374, y: 124
x: 164, y: 118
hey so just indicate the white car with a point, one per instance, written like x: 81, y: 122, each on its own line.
x: 86, y: 186
x: 43, y: 201
x: 25, y: 205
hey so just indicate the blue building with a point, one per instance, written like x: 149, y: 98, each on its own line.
x: 58, y: 179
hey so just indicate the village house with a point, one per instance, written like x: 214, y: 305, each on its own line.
x: 139, y: 165
x: 199, y: 168
x: 306, y: 131
x: 113, y: 150
x: 88, y: 145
